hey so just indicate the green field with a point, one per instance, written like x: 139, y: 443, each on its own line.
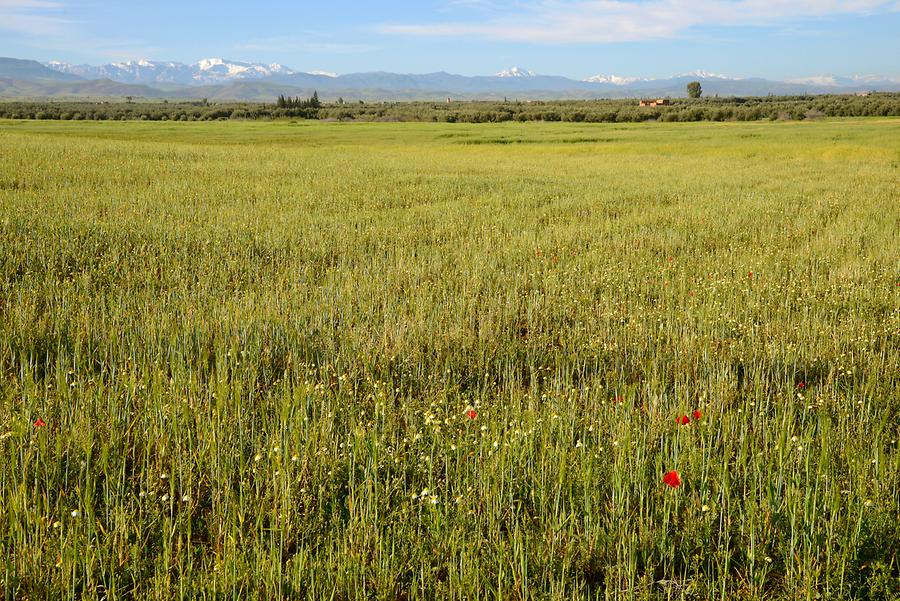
x: 436, y: 361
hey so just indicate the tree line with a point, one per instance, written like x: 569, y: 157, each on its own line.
x: 286, y: 102
x: 588, y: 111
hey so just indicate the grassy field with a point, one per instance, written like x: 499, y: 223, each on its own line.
x: 420, y: 361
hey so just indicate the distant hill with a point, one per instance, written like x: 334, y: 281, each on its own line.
x: 101, y: 88
x: 223, y: 80
x: 15, y: 68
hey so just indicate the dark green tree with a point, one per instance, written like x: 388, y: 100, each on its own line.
x: 694, y: 89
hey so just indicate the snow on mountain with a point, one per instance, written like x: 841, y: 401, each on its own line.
x: 864, y: 79
x: 852, y: 81
x: 516, y: 72
x: 61, y: 66
x: 701, y: 74
x: 211, y: 70
x: 206, y: 71
x: 144, y: 71
x: 624, y: 81
x: 817, y: 80
x: 219, y: 71
x: 613, y: 79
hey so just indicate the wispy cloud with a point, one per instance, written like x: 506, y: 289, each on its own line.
x: 32, y: 17
x: 48, y: 25
x: 607, y: 21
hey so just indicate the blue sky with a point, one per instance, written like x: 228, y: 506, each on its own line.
x: 577, y: 38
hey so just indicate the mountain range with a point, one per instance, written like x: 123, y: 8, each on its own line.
x: 219, y: 79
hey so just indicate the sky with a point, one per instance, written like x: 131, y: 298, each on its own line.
x: 775, y: 39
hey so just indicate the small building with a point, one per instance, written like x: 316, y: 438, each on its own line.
x: 863, y: 94
x: 655, y: 102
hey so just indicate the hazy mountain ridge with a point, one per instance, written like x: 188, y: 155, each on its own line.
x: 219, y: 79
x: 23, y: 69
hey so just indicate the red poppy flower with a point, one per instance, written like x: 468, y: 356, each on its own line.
x: 617, y: 399
x: 697, y: 415
x: 471, y: 414
x: 39, y: 423
x: 672, y: 479
x: 801, y: 384
x: 683, y: 420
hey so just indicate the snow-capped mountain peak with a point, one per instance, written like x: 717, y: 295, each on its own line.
x: 220, y: 65
x: 701, y: 74
x: 613, y: 79
x: 516, y: 72
x: 834, y: 81
x: 138, y: 63
x: 206, y: 71
x: 221, y: 72
x: 624, y: 81
x: 816, y: 80
x: 209, y: 63
x: 219, y: 69
x: 280, y: 69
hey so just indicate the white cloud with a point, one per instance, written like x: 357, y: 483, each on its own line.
x: 46, y: 25
x: 32, y: 17
x: 28, y: 4
x: 605, y: 21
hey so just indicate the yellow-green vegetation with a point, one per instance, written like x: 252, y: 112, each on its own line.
x: 420, y: 361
